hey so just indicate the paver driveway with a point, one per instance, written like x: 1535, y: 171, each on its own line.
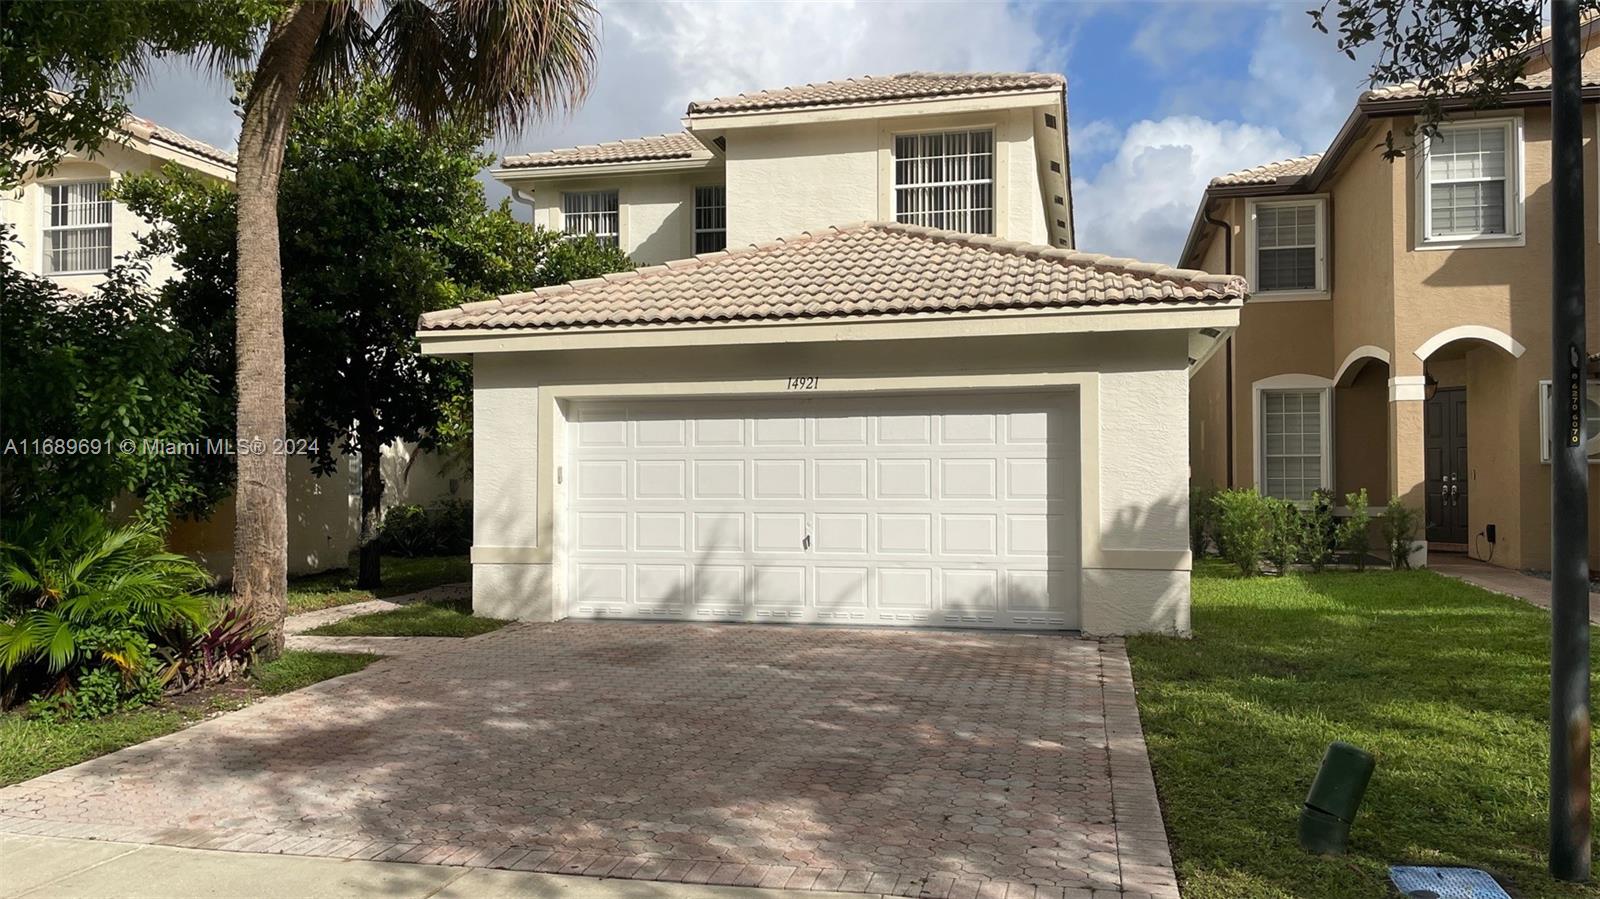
x: 916, y: 763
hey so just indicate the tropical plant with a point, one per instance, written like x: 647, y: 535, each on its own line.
x: 1400, y: 523
x: 1318, y: 530
x: 78, y: 594
x: 1241, y: 528
x: 1284, y: 534
x: 1354, y: 532
x: 214, y: 652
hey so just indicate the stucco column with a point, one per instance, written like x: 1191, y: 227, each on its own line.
x: 1407, y: 456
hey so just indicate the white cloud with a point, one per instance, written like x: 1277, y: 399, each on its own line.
x: 1140, y: 202
x: 1299, y: 81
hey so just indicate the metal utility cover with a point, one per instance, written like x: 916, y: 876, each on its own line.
x: 1445, y: 883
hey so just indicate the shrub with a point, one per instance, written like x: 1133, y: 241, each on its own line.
x: 445, y: 529
x: 1282, y: 545
x: 99, y: 369
x: 1202, y: 513
x: 1400, y: 523
x: 80, y: 596
x: 1352, y: 532
x: 1318, y: 531
x: 1241, y: 528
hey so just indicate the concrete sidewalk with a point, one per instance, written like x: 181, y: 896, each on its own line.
x: 93, y: 869
x: 1526, y: 587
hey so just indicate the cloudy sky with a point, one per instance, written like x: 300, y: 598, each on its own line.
x: 1161, y: 95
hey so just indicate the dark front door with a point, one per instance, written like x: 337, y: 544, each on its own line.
x: 1446, y: 447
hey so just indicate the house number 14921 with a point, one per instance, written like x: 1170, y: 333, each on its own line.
x: 803, y: 382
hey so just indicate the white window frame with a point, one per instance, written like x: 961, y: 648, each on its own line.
x: 1516, y: 191
x: 616, y: 237
x: 994, y: 170
x: 1252, y: 251
x: 694, y: 217
x: 47, y: 188
x: 1298, y: 383
x: 1547, y: 439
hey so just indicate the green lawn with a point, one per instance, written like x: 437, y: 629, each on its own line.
x: 30, y: 747
x: 1447, y: 684
x: 400, y: 576
x: 445, y: 618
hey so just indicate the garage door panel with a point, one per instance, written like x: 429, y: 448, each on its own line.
x: 845, y: 431
x: 660, y: 479
x: 842, y: 590
x: 662, y: 432
x: 930, y: 511
x: 660, y: 588
x: 900, y: 534
x: 968, y: 479
x: 905, y: 430
x: 602, y: 479
x: 718, y: 479
x: 779, y: 479
x: 602, y: 532
x: 841, y: 532
x: 968, y: 429
x: 840, y: 479
x: 968, y: 535
x: 660, y: 532
x: 963, y: 590
x: 779, y: 532
x: 719, y: 532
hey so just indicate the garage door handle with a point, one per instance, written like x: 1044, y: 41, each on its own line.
x: 806, y: 543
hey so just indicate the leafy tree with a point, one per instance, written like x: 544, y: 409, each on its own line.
x: 110, y: 366
x: 66, y: 68
x: 393, y: 224
x: 1457, y: 52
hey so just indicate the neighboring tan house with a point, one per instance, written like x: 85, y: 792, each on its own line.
x: 68, y: 228
x: 887, y: 390
x: 1398, y: 333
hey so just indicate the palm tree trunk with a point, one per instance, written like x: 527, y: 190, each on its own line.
x: 369, y: 573
x: 261, y: 516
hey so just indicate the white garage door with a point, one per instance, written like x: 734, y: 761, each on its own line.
x: 936, y: 511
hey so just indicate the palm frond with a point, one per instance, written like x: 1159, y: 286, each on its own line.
x: 494, y: 63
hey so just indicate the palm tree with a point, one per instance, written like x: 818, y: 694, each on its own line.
x: 499, y: 62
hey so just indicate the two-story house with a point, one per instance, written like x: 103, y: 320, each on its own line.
x: 1398, y: 334
x: 68, y: 227
x: 864, y: 376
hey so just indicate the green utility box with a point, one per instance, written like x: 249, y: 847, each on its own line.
x: 1330, y: 807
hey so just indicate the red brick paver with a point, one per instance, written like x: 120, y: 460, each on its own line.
x: 911, y: 763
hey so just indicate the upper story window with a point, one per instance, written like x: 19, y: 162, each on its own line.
x: 591, y: 212
x: 1294, y: 442
x: 1288, y: 246
x: 1471, y: 181
x: 710, y: 219
x: 77, y: 228
x: 945, y: 180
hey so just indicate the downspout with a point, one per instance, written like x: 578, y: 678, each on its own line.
x: 1227, y: 269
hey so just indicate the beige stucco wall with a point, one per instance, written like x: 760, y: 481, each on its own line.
x: 787, y: 179
x: 1208, y: 411
x: 325, y: 512
x: 655, y: 210
x: 1131, y: 387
